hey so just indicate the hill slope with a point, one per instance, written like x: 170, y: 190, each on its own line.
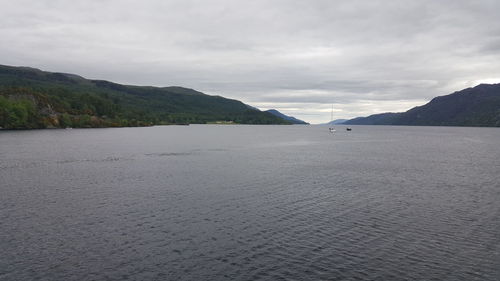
x: 31, y: 98
x: 478, y: 106
x: 336, y: 122
x: 291, y: 119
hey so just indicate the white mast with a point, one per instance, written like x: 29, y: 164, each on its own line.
x: 331, y: 118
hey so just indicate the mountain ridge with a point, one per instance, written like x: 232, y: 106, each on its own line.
x: 291, y: 119
x: 31, y: 98
x: 477, y: 106
x: 336, y: 122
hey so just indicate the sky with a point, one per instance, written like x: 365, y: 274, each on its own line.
x: 300, y: 57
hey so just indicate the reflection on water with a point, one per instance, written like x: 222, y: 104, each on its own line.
x: 250, y: 203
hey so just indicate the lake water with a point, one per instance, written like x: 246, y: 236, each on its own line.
x: 208, y: 202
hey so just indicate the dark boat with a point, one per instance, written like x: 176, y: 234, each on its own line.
x: 348, y: 129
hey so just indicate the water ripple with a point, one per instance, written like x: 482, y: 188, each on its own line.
x: 250, y: 203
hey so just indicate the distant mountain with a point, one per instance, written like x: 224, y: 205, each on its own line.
x: 375, y: 119
x: 336, y: 122
x: 291, y: 119
x: 478, y: 106
x: 31, y: 98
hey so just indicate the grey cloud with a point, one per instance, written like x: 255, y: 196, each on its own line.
x: 297, y: 56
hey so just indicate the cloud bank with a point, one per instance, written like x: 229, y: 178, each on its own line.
x: 299, y: 57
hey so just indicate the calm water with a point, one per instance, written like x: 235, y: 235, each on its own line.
x: 250, y: 203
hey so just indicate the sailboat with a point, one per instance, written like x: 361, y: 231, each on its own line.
x: 332, y: 130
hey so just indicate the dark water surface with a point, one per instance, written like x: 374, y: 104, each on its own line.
x: 250, y: 203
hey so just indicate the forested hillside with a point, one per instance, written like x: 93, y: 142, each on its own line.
x: 31, y: 98
x: 477, y: 106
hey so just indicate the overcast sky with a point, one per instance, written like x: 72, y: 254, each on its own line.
x: 299, y: 57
